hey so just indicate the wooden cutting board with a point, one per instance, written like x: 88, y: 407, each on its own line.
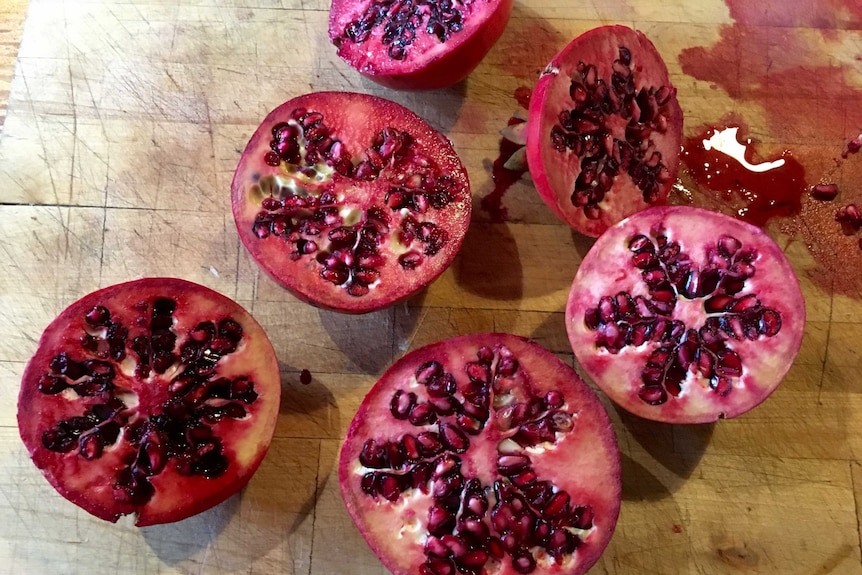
x: 125, y: 122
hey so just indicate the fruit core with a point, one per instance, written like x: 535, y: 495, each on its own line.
x: 694, y: 311
x: 171, y: 416
x: 609, y: 128
x: 350, y: 210
x: 398, y: 22
x: 489, y: 427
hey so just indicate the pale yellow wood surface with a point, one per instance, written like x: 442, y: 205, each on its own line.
x: 125, y: 121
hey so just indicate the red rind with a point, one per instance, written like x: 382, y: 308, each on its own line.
x: 554, y: 179
x: 355, y: 119
x: 434, y: 66
x: 607, y: 270
x: 89, y: 484
x: 586, y: 462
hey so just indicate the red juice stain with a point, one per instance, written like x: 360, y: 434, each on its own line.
x: 522, y: 95
x: 756, y: 197
x: 777, y: 60
x: 304, y: 377
x: 503, y: 177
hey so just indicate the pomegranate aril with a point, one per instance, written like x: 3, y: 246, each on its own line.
x: 51, y: 384
x: 824, y: 192
x: 440, y: 520
x: 454, y: 438
x: 373, y: 455
x: 721, y: 385
x: 561, y: 542
x: 422, y: 414
x: 509, y: 464
x: 429, y: 443
x: 442, y: 385
x: 582, y: 517
x: 729, y: 364
x: 769, y: 323
x: 446, y: 465
x: 653, y: 394
x: 90, y: 445
x: 557, y: 506
x: 427, y: 371
x: 434, y: 546
x: 402, y: 403
x: 389, y: 487
x: 474, y: 559
x: 523, y: 561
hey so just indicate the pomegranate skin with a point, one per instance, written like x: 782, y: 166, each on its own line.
x: 437, y: 65
x: 555, y: 174
x: 90, y: 483
x: 354, y: 119
x: 585, y: 463
x: 765, y: 356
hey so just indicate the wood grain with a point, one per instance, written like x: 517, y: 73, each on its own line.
x: 125, y: 122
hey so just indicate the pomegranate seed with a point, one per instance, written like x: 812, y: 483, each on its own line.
x: 523, y: 561
x: 402, y: 403
x: 478, y: 372
x: 769, y: 323
x: 558, y: 505
x: 411, y: 448
x: 509, y: 464
x: 422, y: 414
x: 305, y: 377
x: 440, y: 521
x: 729, y: 364
x: 495, y: 547
x: 454, y: 438
x: 456, y: 545
x: 721, y: 385
x: 373, y: 455
x: 427, y: 371
x: 389, y: 488
x: 824, y: 192
x: 446, y: 465
x: 435, y: 546
x: 51, y: 384
x: 430, y: 443
x: 90, y: 445
x: 474, y: 559
x: 653, y: 394
x: 468, y: 424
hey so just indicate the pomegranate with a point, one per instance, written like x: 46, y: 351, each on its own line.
x: 350, y: 201
x: 684, y: 315
x: 416, y: 44
x: 604, y: 129
x: 482, y: 454
x: 157, y: 397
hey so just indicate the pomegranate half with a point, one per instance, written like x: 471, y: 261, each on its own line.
x: 604, y: 129
x: 416, y: 44
x: 684, y: 315
x: 156, y: 397
x: 482, y: 454
x: 350, y: 201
